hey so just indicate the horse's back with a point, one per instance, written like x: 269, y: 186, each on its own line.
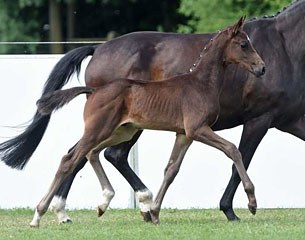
x: 144, y: 55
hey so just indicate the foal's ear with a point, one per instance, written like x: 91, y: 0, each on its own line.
x: 238, y: 26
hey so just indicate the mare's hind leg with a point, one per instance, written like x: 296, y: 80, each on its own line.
x: 117, y: 155
x: 59, y: 200
x: 253, y: 133
x: 182, y: 143
x: 205, y: 135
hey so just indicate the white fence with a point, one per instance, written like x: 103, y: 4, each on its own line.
x: 277, y: 169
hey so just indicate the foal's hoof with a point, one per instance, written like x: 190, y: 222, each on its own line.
x: 34, y: 226
x: 99, y: 211
x: 252, y: 209
x: 146, y: 216
x: 154, y: 216
x: 68, y: 220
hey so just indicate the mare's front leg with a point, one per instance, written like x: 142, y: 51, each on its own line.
x: 253, y: 133
x: 108, y: 192
x: 182, y: 143
x: 206, y: 135
x: 118, y: 156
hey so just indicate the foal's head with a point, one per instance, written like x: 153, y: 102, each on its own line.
x: 240, y: 51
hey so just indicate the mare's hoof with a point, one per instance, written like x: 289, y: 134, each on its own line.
x: 236, y: 219
x: 146, y: 216
x: 154, y: 216
x: 99, y: 211
x: 231, y: 216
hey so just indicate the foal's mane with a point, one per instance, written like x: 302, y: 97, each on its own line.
x: 206, y: 47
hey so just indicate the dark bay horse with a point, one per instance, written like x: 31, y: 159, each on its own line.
x: 274, y: 100
x: 187, y: 104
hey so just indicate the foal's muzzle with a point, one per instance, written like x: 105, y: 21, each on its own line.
x: 259, y: 69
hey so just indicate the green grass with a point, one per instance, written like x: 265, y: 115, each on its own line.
x: 175, y: 224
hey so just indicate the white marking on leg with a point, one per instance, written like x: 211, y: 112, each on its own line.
x: 36, y: 219
x: 107, y: 196
x: 145, y: 200
x: 58, y: 207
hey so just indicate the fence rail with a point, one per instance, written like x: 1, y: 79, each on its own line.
x: 46, y: 47
x: 49, y: 43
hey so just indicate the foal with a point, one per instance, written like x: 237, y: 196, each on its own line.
x: 187, y: 104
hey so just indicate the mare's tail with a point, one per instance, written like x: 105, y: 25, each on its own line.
x: 17, y: 151
x: 57, y: 99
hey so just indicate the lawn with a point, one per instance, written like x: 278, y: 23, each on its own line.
x: 175, y: 224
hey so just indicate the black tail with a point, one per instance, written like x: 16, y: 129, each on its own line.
x: 17, y: 151
x: 57, y: 99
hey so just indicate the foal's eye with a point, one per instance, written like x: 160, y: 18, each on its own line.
x: 244, y: 45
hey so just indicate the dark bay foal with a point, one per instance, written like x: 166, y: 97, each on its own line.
x: 187, y: 104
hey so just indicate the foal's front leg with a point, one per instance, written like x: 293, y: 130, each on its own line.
x: 253, y: 133
x: 182, y: 143
x: 108, y: 192
x: 206, y: 135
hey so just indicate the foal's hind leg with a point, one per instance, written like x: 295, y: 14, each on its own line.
x: 206, y: 135
x: 117, y: 155
x: 182, y: 143
x: 121, y: 134
x: 93, y: 135
x: 67, y: 165
x: 108, y: 192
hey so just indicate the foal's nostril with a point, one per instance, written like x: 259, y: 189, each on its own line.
x: 259, y: 71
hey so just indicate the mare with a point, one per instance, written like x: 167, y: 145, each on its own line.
x: 276, y: 100
x: 187, y: 104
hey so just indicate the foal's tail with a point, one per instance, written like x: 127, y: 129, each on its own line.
x: 57, y: 99
x: 17, y: 151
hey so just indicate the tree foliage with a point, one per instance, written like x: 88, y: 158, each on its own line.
x: 208, y: 16
x: 28, y: 20
x: 19, y: 22
x: 124, y: 16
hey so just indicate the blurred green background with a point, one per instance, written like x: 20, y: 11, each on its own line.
x: 97, y: 20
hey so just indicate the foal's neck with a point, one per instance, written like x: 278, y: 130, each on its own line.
x: 211, y: 66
